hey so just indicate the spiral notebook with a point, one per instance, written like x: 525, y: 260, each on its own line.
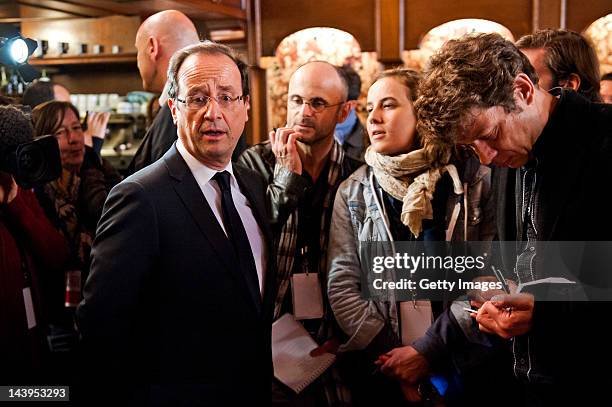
x: 291, y: 346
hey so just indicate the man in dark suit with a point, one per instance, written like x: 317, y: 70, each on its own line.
x: 178, y: 304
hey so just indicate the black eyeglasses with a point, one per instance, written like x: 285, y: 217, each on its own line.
x: 316, y: 104
x: 200, y: 102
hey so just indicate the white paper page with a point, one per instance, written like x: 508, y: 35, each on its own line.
x: 291, y: 346
x: 549, y: 280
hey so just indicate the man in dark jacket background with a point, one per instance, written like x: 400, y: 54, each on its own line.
x: 481, y: 91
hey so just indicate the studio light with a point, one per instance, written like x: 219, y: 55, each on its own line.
x: 14, y: 54
x: 16, y: 51
x: 19, y: 51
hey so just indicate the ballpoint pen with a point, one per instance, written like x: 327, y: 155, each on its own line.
x: 501, y: 279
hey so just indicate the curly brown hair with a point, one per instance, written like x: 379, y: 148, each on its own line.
x: 472, y: 71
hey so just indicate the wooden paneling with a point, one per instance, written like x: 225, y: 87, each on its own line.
x: 193, y: 8
x: 389, y: 31
x: 86, y: 60
x: 9, y: 10
x: 118, y: 79
x: 579, y: 16
x: 281, y: 18
x: 107, y: 31
x: 257, y: 127
x: 73, y: 9
x: 423, y: 15
x: 546, y: 14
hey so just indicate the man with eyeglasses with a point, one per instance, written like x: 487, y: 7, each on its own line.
x: 180, y: 296
x: 304, y: 166
x: 157, y: 39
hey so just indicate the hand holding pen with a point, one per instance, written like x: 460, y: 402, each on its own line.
x: 506, y: 315
x: 479, y: 297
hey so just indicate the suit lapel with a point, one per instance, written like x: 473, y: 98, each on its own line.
x: 191, y: 195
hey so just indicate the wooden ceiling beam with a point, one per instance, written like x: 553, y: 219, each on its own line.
x: 208, y: 6
x: 77, y: 10
x: 193, y: 8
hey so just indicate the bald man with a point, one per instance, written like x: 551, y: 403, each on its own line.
x: 304, y: 165
x: 158, y: 37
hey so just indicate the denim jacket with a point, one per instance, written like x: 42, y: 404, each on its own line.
x: 359, y: 217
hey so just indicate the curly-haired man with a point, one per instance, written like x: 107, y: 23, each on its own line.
x: 482, y: 92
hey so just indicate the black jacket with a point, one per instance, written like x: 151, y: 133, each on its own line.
x: 166, y: 310
x: 565, y: 352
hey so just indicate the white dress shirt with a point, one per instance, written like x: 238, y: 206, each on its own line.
x: 212, y: 193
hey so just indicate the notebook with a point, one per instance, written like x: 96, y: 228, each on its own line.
x: 550, y: 280
x: 553, y: 289
x: 291, y: 346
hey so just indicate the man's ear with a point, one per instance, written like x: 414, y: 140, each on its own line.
x: 572, y: 82
x: 247, y: 105
x: 153, y: 49
x: 524, y: 88
x: 352, y: 104
x: 344, y: 112
x: 173, y: 106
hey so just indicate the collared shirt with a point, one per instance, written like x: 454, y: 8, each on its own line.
x: 212, y: 193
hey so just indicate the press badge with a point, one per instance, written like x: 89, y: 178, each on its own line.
x: 29, y: 307
x: 307, y: 296
x: 416, y: 318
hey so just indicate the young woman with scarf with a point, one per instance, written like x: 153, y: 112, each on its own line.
x: 401, y: 194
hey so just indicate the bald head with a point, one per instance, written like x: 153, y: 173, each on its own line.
x: 317, y: 92
x: 158, y: 37
x: 321, y: 75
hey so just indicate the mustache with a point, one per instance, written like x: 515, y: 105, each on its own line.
x: 304, y: 122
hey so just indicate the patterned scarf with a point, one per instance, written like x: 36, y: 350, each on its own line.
x: 410, y: 178
x: 64, y: 193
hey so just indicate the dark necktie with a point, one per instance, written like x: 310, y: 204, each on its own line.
x: 237, y: 235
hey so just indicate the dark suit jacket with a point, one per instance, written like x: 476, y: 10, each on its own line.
x: 166, y: 308
x: 158, y: 139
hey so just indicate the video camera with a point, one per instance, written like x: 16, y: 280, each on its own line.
x: 34, y: 163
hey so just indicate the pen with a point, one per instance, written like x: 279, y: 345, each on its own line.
x: 501, y: 279
x: 382, y: 359
x: 470, y: 310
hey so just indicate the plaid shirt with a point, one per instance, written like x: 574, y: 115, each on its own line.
x: 261, y: 159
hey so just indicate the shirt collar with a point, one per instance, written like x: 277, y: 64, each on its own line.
x: 201, y: 172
